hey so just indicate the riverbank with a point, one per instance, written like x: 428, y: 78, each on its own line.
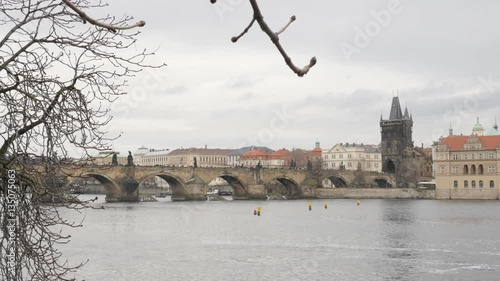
x: 375, y: 193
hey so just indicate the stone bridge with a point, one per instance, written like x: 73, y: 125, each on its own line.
x: 122, y: 183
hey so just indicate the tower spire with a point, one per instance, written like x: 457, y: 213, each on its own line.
x: 396, y: 113
x: 451, y: 130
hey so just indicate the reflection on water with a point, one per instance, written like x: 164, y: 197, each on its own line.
x: 377, y: 240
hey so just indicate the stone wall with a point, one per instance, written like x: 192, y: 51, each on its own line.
x: 470, y: 193
x: 376, y: 193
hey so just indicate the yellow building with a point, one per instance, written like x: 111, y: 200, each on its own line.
x: 467, y: 167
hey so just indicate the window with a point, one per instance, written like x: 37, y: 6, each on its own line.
x: 349, y: 156
x: 349, y: 164
x: 465, y: 156
x: 333, y: 165
x: 334, y: 156
x: 481, y: 169
x: 480, y: 156
x: 455, y: 184
x: 455, y: 156
x: 441, y: 169
x: 492, y: 184
x: 376, y: 165
x: 480, y: 184
x: 491, y: 169
x: 341, y: 156
x: 473, y: 184
x: 326, y: 156
x: 466, y: 169
x: 466, y: 184
x: 454, y: 169
x: 490, y: 155
x: 473, y: 156
x: 473, y: 169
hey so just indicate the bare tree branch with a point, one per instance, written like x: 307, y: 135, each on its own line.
x: 111, y: 27
x: 274, y: 36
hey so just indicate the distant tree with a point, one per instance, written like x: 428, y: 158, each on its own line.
x: 58, y: 77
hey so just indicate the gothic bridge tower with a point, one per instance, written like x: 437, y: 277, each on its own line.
x: 397, y: 143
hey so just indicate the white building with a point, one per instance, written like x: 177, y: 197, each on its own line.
x: 151, y: 157
x: 353, y: 156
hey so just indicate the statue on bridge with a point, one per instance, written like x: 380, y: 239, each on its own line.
x: 114, y: 160
x: 130, y: 159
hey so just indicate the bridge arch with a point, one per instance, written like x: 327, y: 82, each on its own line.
x: 175, y: 183
x: 240, y: 191
x: 382, y: 182
x: 338, y: 181
x: 291, y: 189
x: 111, y: 187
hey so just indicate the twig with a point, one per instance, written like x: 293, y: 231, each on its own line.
x: 112, y: 28
x: 292, y: 19
x: 236, y: 38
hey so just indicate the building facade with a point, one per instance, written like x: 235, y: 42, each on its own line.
x: 151, y: 157
x: 234, y: 157
x: 352, y: 157
x: 205, y: 157
x: 467, y: 167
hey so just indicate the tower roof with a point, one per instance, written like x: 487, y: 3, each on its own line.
x: 477, y: 127
x: 396, y: 112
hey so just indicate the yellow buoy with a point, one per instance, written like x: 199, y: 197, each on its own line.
x: 326, y: 205
x: 310, y: 205
x: 357, y: 202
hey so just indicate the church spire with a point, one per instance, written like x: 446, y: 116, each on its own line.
x: 450, y: 130
x: 495, y: 126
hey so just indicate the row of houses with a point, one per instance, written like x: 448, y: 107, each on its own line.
x: 348, y: 156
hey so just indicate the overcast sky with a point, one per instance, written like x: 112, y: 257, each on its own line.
x: 227, y: 95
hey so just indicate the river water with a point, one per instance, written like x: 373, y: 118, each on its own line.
x: 377, y: 240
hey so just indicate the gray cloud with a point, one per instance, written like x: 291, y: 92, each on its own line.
x: 222, y: 93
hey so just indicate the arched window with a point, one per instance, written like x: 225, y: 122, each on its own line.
x: 492, y: 184
x: 481, y: 169
x: 455, y: 184
x: 480, y: 184
x: 466, y: 184
x: 473, y: 169
x: 473, y: 184
x: 466, y: 169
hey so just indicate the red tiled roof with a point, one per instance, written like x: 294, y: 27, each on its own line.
x: 455, y: 142
x: 281, y: 154
x: 491, y: 142
x: 254, y: 154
